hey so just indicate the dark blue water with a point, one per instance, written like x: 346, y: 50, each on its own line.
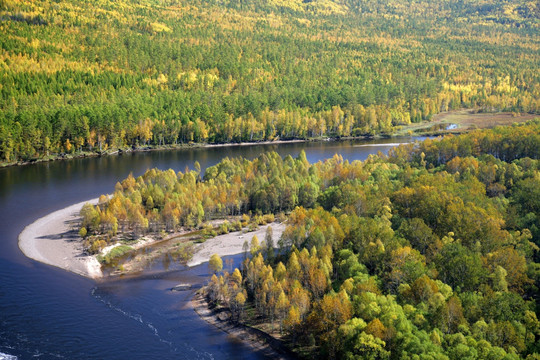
x: 48, y: 313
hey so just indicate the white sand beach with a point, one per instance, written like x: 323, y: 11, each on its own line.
x: 54, y: 240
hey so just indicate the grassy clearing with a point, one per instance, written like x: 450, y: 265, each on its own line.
x: 115, y: 254
x: 464, y: 120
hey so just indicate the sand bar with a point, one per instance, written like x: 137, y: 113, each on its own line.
x: 232, y: 243
x: 54, y: 240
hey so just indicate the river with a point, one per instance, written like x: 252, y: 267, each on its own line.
x: 48, y: 313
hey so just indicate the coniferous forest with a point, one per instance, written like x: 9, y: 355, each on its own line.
x: 430, y: 252
x: 78, y: 76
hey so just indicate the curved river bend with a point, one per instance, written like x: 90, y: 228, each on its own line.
x: 48, y: 313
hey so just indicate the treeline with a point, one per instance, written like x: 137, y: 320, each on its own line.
x: 107, y: 75
x: 409, y: 256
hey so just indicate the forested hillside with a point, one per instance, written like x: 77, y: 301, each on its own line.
x: 90, y: 76
x: 430, y: 252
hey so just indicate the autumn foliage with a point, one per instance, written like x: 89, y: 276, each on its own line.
x: 81, y: 76
x: 400, y: 257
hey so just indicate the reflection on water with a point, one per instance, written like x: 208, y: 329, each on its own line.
x: 47, y: 313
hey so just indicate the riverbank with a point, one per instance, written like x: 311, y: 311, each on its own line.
x: 54, y: 240
x: 154, y: 251
x: 256, y: 339
x: 232, y: 243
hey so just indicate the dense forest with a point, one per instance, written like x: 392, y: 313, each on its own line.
x: 430, y: 252
x: 78, y: 76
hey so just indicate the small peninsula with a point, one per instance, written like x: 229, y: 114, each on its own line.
x: 54, y: 240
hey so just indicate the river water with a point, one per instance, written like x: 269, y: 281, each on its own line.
x: 48, y: 313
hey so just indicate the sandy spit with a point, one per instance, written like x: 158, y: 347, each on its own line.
x: 54, y: 240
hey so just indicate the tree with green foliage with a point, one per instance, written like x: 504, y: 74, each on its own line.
x: 215, y: 264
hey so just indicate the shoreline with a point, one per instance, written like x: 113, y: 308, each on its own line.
x: 232, y: 243
x: 254, y: 338
x: 121, y: 151
x: 53, y: 240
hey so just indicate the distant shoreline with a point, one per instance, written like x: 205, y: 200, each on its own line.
x: 465, y: 120
x: 129, y: 150
x: 92, y: 154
